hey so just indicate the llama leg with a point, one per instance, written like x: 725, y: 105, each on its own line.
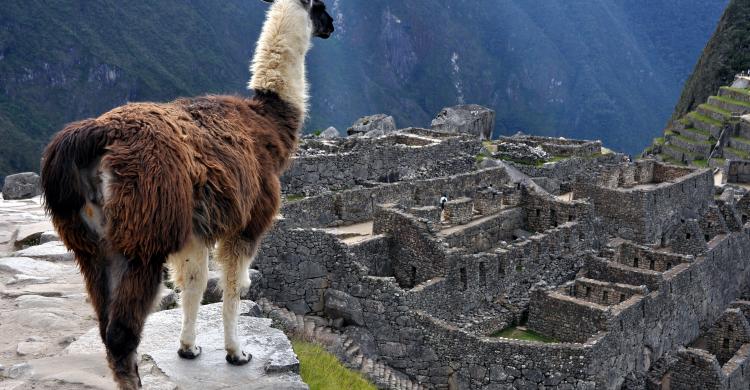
x: 190, y: 274
x: 234, y: 259
x: 95, y: 275
x: 134, y: 287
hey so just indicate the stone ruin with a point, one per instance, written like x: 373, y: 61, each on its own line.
x: 628, y: 274
x: 580, y: 269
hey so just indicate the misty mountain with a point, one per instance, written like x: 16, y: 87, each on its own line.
x: 578, y: 68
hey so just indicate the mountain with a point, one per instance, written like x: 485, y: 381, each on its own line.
x: 727, y: 53
x: 588, y: 69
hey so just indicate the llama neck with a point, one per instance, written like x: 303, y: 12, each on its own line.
x: 279, y: 62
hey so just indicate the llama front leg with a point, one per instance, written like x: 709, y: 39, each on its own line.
x: 135, y: 286
x: 235, y: 258
x: 190, y: 274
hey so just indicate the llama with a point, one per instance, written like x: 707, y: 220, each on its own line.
x: 147, y: 184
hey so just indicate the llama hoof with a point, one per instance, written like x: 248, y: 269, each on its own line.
x: 239, y: 360
x: 189, y: 353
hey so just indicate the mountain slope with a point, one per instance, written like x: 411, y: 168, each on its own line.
x: 609, y: 70
x: 727, y: 53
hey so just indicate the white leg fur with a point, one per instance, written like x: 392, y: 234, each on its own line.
x: 235, y: 259
x: 190, y: 273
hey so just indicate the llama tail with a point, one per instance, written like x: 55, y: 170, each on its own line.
x: 122, y: 186
x: 76, y: 147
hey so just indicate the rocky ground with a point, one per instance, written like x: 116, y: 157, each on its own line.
x: 49, y: 336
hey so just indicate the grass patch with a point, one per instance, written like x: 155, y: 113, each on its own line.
x: 669, y: 160
x: 317, y: 133
x: 738, y: 90
x: 715, y: 109
x: 322, y: 371
x: 691, y: 141
x: 480, y: 157
x: 659, y: 141
x: 732, y: 101
x: 702, y: 118
x: 741, y: 153
x: 517, y: 333
x: 294, y: 197
x: 700, y: 163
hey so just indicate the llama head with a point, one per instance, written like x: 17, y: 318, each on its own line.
x: 322, y: 22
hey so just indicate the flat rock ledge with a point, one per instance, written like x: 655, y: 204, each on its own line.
x: 274, y: 364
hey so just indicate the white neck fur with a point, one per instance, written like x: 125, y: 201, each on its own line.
x: 279, y: 62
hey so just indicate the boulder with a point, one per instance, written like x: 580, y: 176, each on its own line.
x: 469, y: 118
x: 273, y: 366
x: 50, y: 236
x: 381, y: 122
x: 330, y: 133
x: 21, y: 186
x: 51, y: 251
x: 339, y: 304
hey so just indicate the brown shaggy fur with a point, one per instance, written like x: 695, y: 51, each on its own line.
x: 207, y: 167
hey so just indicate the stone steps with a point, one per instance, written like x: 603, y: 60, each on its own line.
x: 714, y: 112
x: 696, y: 134
x: 679, y: 154
x: 736, y: 154
x: 742, y: 95
x: 315, y: 329
x: 705, y: 123
x: 728, y: 104
x: 740, y: 143
x: 701, y: 148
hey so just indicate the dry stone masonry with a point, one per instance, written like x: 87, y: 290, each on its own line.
x: 628, y: 274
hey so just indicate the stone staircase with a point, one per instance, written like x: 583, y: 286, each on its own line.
x: 316, y: 329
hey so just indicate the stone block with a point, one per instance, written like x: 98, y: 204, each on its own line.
x: 21, y: 186
x: 339, y: 304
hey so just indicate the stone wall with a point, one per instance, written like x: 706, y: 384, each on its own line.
x: 358, y: 205
x: 728, y: 335
x: 415, y: 256
x: 603, y: 293
x: 647, y: 213
x: 638, y: 256
x: 394, y: 157
x: 737, y: 172
x: 488, y: 232
x: 564, y: 317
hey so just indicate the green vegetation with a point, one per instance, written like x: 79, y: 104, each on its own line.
x: 480, y: 157
x: 739, y: 153
x: 700, y: 163
x: 715, y: 109
x: 738, y: 90
x: 668, y: 159
x: 691, y: 141
x: 704, y: 133
x: 659, y: 141
x: 520, y: 333
x: 702, y: 118
x: 322, y: 371
x: 729, y: 100
x: 294, y: 197
x: 317, y: 133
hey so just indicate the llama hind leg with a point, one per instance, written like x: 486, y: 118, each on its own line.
x: 134, y: 287
x: 235, y: 258
x: 190, y: 273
